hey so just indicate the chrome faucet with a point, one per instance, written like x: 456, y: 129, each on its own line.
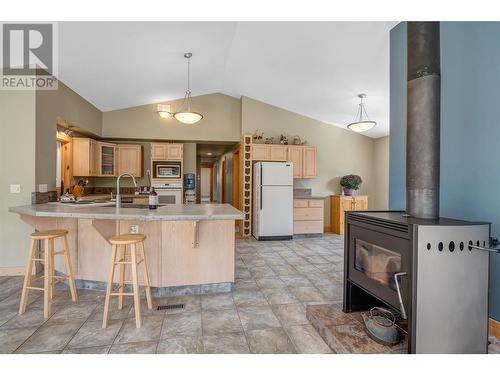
x: 118, y: 196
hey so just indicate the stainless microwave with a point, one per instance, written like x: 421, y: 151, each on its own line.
x: 166, y: 169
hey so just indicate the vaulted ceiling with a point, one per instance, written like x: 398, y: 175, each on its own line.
x: 313, y: 68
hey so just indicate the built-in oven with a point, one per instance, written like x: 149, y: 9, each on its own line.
x: 169, y: 192
x: 166, y: 169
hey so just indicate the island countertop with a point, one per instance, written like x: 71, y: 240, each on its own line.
x: 180, y: 212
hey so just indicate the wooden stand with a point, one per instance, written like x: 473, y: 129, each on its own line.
x: 49, y: 277
x: 119, y: 245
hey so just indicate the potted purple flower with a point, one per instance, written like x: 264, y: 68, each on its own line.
x: 349, y: 183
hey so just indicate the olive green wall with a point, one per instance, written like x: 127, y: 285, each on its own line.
x: 62, y: 103
x: 17, y: 166
x: 221, y: 121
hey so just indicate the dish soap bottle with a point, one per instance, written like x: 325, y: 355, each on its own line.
x: 153, y: 199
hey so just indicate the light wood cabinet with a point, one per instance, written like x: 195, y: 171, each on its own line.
x: 85, y: 157
x: 130, y: 159
x: 342, y: 203
x: 104, y: 159
x: 174, y: 151
x: 308, y: 216
x: 294, y: 156
x: 309, y: 160
x: 166, y: 151
x: 107, y: 159
x: 261, y: 152
x: 304, y: 158
x: 277, y: 153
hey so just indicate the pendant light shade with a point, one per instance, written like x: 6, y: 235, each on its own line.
x: 361, y: 124
x: 163, y: 110
x: 185, y: 115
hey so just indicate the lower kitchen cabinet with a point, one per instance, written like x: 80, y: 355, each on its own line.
x: 342, y: 203
x: 308, y: 216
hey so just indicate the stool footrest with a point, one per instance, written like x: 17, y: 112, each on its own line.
x: 119, y: 262
x: 34, y: 288
x: 121, y: 294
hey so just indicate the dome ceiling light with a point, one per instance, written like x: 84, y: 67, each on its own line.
x: 185, y: 114
x: 361, y: 124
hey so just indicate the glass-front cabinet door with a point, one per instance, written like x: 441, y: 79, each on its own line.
x: 108, y: 152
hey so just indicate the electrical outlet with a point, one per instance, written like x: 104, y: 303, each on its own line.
x: 15, y: 188
x: 134, y: 229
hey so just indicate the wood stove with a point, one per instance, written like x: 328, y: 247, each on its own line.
x: 430, y: 270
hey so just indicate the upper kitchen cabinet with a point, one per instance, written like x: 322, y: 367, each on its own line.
x: 277, y: 153
x: 302, y: 157
x: 309, y: 162
x: 107, y: 158
x: 85, y: 157
x: 265, y: 152
x: 295, y: 156
x: 130, y: 159
x: 166, y: 151
x: 261, y: 152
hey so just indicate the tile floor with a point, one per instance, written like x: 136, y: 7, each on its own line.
x: 266, y: 312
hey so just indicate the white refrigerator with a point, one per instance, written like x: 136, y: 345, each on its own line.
x: 272, y: 201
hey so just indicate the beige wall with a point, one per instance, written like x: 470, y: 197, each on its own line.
x: 73, y: 109
x: 340, y: 151
x: 381, y: 173
x: 17, y: 166
x: 221, y: 121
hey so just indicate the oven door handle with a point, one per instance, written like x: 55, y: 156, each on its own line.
x: 400, y: 298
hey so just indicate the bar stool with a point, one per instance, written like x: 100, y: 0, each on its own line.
x: 119, y: 245
x: 49, y: 277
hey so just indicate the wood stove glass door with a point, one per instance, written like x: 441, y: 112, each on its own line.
x: 374, y: 259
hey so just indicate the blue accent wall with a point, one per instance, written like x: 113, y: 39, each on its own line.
x: 470, y: 128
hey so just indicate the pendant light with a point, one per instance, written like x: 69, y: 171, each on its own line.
x: 185, y: 115
x: 361, y: 124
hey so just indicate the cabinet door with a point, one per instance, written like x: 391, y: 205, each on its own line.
x: 159, y: 151
x: 82, y: 151
x: 309, y: 162
x: 107, y: 159
x: 360, y: 203
x: 277, y: 153
x: 174, y: 152
x: 130, y: 160
x: 95, y: 158
x: 261, y: 152
x: 294, y: 155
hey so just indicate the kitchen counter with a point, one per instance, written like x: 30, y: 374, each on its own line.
x: 189, y: 248
x: 164, y: 213
x: 309, y: 197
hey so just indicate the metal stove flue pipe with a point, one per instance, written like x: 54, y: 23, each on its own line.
x: 423, y: 120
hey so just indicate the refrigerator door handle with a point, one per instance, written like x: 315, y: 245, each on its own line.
x: 261, y: 197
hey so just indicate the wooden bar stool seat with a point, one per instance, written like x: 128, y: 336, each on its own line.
x: 122, y: 256
x: 49, y: 277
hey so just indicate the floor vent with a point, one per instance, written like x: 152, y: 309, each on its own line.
x: 170, y: 307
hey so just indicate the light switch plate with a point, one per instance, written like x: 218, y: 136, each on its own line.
x: 42, y: 188
x: 134, y: 229
x: 15, y: 188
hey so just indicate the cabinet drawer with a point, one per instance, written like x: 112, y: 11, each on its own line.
x: 300, y: 203
x: 316, y: 203
x: 308, y: 214
x: 305, y: 227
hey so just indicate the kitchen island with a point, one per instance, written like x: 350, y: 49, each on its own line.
x: 189, y: 248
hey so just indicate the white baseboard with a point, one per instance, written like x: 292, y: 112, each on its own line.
x: 12, y: 271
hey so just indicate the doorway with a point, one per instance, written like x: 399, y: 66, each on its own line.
x: 206, y: 184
